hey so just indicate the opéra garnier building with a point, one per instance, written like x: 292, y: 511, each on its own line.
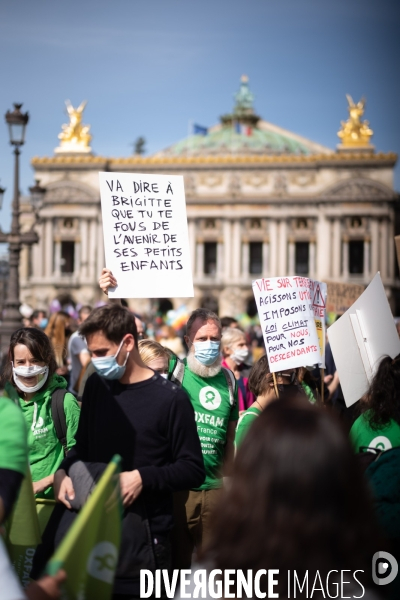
x: 261, y: 201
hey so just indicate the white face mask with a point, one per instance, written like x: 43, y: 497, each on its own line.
x: 240, y: 355
x: 41, y: 373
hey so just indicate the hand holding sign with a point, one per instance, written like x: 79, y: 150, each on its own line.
x: 107, y: 281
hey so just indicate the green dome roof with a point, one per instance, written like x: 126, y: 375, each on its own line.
x: 226, y: 141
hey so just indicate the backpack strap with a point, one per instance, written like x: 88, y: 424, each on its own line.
x: 58, y: 416
x: 231, y: 381
x: 178, y: 372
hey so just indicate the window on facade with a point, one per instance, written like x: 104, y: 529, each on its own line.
x: 210, y: 258
x: 356, y: 257
x: 302, y: 256
x: 356, y: 222
x: 255, y: 224
x: 67, y: 257
x: 301, y: 224
x: 256, y: 265
x: 209, y: 224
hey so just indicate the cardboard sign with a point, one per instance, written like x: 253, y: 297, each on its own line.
x: 361, y: 338
x: 146, y: 235
x: 285, y: 308
x: 319, y: 309
x: 341, y: 296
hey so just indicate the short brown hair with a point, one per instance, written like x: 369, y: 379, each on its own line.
x: 113, y: 320
x: 258, y: 378
x: 205, y: 315
x: 38, y: 345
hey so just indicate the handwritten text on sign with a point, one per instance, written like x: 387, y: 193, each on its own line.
x: 145, y: 235
x: 285, y: 308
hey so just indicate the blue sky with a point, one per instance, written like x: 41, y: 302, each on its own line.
x: 148, y: 67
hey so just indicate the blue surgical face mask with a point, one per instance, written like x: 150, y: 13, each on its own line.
x: 107, y: 366
x: 43, y: 323
x: 206, y: 352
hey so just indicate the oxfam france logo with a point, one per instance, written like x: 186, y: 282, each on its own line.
x: 102, y: 561
x: 210, y: 398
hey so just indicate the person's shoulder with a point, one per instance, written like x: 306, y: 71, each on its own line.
x: 9, y: 410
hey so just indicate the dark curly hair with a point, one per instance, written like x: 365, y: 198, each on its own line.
x: 383, y: 396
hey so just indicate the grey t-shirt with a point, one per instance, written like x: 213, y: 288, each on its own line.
x: 76, y: 345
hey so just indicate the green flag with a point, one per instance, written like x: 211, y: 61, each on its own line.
x: 22, y: 531
x: 89, y: 551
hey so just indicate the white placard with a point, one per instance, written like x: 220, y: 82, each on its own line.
x: 146, y: 235
x: 362, y: 336
x: 319, y: 309
x: 285, y: 308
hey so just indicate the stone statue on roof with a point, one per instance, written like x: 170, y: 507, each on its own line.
x: 354, y: 133
x: 75, y: 137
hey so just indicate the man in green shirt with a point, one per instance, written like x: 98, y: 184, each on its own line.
x: 213, y: 394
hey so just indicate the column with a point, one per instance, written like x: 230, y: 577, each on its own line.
x: 220, y: 260
x: 311, y: 259
x: 245, y: 260
x: 77, y: 261
x: 84, y: 250
x: 226, y: 273
x: 265, y: 259
x: 374, y: 225
x: 383, y: 259
x: 57, y: 259
x: 366, y: 269
x: 336, y: 250
x: 282, y: 257
x: 345, y: 261
x: 101, y: 261
x: 273, y: 237
x: 292, y: 250
x: 391, y: 260
x: 48, y: 248
x: 92, y: 252
x: 323, y: 257
x: 192, y: 243
x: 200, y: 260
x: 236, y: 251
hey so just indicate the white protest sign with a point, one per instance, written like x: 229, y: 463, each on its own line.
x: 319, y: 310
x: 146, y: 235
x: 285, y: 308
x: 362, y: 336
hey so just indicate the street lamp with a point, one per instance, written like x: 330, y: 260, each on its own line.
x: 11, y: 321
x: 2, y: 190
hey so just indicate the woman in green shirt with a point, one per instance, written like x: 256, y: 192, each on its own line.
x: 378, y: 425
x: 31, y: 370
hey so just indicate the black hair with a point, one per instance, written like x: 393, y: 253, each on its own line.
x: 113, y: 320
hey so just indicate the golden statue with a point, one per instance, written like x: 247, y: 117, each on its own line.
x: 74, y: 137
x: 355, y: 133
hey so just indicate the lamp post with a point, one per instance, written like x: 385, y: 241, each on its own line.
x: 11, y: 319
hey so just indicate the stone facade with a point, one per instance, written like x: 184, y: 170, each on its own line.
x: 280, y: 205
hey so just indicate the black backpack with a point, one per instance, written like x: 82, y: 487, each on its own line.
x: 58, y: 416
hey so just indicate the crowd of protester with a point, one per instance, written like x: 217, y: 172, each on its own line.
x: 224, y: 464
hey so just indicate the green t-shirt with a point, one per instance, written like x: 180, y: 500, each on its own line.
x: 45, y: 450
x: 244, y: 423
x: 384, y: 438
x: 213, y: 411
x: 13, y: 437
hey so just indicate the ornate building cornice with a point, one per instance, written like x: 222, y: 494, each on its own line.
x: 113, y: 164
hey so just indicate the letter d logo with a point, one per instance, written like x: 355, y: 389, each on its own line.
x: 380, y: 566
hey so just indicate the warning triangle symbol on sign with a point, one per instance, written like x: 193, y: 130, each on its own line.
x: 318, y: 299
